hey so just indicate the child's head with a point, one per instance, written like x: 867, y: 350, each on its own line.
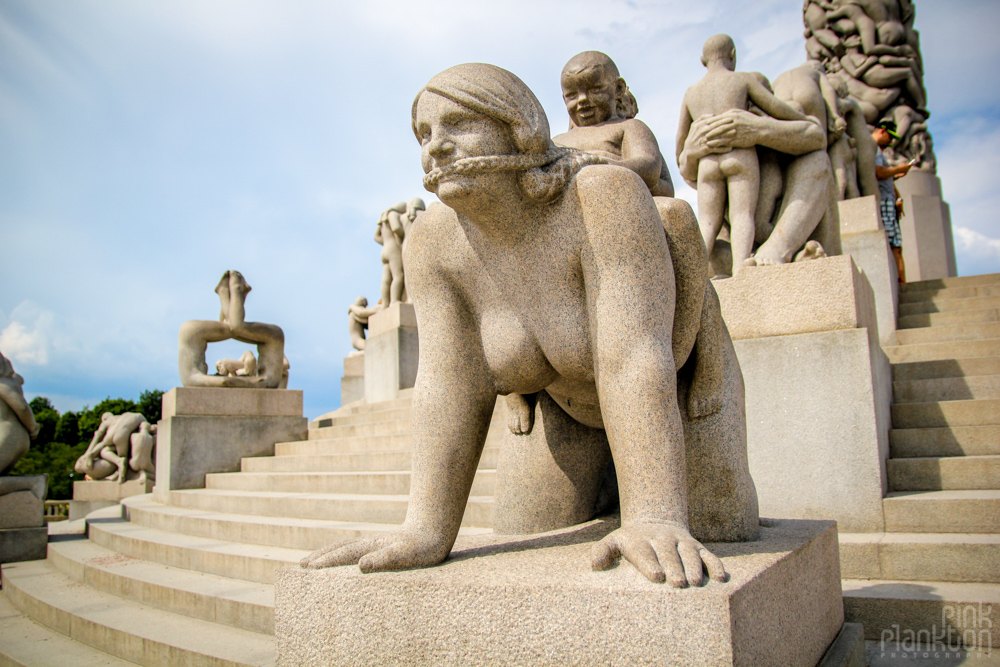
x: 721, y: 49
x: 593, y: 90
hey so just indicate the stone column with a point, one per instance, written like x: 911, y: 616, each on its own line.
x: 23, y: 533
x: 391, y: 352
x: 206, y: 430
x: 863, y: 238
x: 928, y: 245
x: 818, y: 389
x: 352, y: 385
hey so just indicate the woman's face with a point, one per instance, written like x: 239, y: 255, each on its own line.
x: 448, y: 131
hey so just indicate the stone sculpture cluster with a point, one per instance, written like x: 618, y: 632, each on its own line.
x: 871, y: 48
x: 390, y: 233
x: 195, y: 335
x: 785, y: 209
x: 121, y: 449
x: 543, y: 266
x: 17, y: 429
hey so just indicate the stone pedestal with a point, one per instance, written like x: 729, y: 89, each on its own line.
x: 205, y: 430
x: 352, y: 385
x: 391, y: 352
x: 534, y: 600
x: 863, y: 238
x: 818, y: 390
x: 94, y: 495
x: 23, y: 534
x: 928, y: 245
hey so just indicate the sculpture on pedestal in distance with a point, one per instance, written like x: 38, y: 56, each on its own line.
x: 195, y: 335
x: 541, y: 267
x: 390, y: 233
x: 121, y: 449
x: 17, y: 429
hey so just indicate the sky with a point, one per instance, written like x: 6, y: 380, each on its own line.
x: 148, y: 147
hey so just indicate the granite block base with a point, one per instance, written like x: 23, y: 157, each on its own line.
x: 534, y: 600
x: 18, y: 544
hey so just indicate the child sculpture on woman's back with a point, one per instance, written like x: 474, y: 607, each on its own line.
x: 540, y: 274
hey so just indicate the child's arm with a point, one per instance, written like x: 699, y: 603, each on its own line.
x: 641, y: 153
x: 683, y: 128
x: 770, y: 104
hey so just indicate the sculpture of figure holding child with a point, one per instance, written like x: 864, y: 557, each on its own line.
x: 547, y: 273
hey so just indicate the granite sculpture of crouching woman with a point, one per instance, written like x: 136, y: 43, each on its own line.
x: 544, y: 273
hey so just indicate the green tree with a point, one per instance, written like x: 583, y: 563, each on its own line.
x: 47, y: 417
x: 68, y: 428
x: 150, y: 405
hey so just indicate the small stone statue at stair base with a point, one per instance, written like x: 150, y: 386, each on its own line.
x: 195, y: 336
x: 390, y: 234
x: 17, y: 429
x: 728, y: 183
x: 502, y: 275
x: 121, y: 449
x: 357, y: 322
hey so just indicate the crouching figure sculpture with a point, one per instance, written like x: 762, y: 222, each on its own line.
x: 547, y: 275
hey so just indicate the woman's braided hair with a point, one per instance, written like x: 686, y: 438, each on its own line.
x: 544, y: 169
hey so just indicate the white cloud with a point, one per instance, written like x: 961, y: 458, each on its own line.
x: 26, y: 339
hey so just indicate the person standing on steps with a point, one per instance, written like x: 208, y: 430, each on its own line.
x: 883, y: 134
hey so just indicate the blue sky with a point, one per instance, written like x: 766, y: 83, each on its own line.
x: 147, y: 147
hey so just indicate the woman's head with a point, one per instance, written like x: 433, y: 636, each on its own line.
x: 522, y: 143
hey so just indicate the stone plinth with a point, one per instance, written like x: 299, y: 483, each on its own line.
x: 534, y: 600
x: 21, y: 509
x: 818, y: 390
x: 928, y: 245
x: 863, y: 238
x: 391, y: 352
x: 206, y: 430
x: 23, y: 535
x: 96, y: 494
x: 352, y: 385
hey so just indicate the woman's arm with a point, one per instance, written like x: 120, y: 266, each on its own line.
x: 11, y: 394
x: 630, y: 300
x: 452, y: 405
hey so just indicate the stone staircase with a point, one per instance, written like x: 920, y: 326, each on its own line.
x: 190, y: 582
x: 937, y: 565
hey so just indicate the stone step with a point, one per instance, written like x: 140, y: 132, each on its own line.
x: 947, y: 305
x: 942, y: 511
x: 239, y: 604
x: 978, y: 412
x: 360, y: 508
x: 946, y: 389
x: 394, y: 482
x: 24, y: 643
x: 394, y: 427
x: 290, y: 532
x: 373, y: 417
x: 349, y: 462
x: 954, y: 281
x: 947, y: 441
x: 948, y: 319
x: 943, y: 473
x: 401, y: 442
x: 960, y: 332
x: 247, y: 562
x: 956, y: 557
x: 404, y: 400
x: 943, y: 350
x: 945, y: 293
x: 126, y: 629
x: 946, y: 368
x: 895, y: 611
